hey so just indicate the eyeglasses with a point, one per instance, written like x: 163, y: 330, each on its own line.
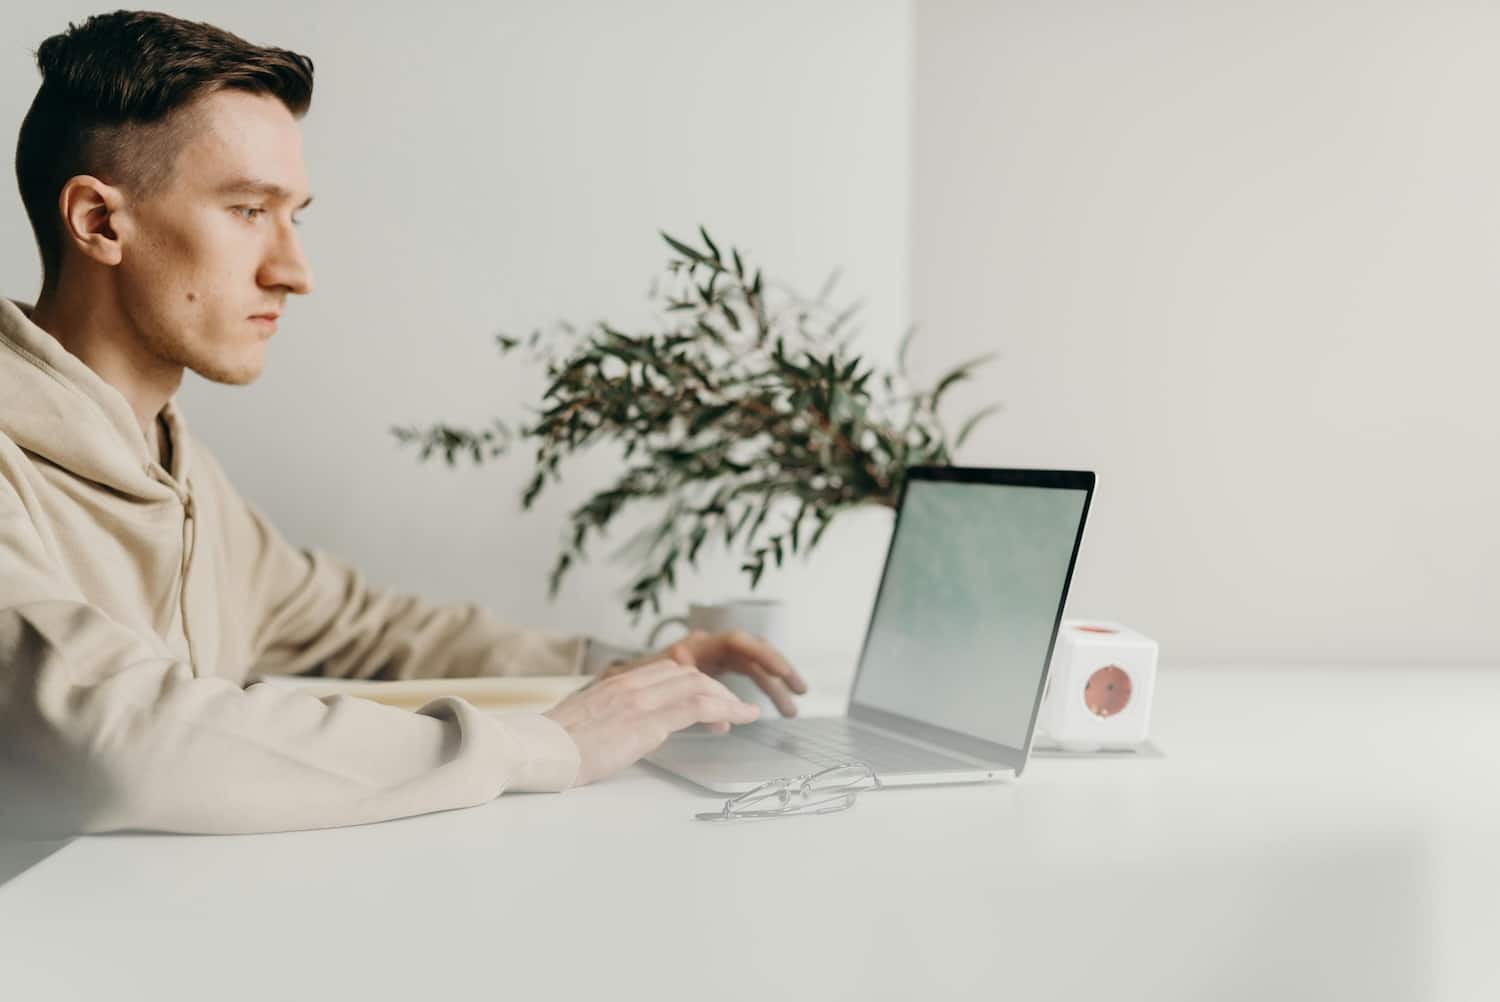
x: 825, y: 792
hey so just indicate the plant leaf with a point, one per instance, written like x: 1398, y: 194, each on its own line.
x: 957, y: 375
x: 971, y: 424
x: 902, y: 348
x: 712, y: 247
x: 696, y: 256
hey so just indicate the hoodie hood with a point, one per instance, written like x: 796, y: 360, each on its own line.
x: 55, y: 406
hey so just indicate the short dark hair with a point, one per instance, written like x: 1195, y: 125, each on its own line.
x: 113, y: 102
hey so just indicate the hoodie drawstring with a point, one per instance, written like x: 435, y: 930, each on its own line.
x: 189, y: 540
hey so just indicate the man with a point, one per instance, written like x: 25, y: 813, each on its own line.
x: 161, y: 167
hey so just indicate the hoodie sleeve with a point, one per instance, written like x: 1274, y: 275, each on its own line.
x: 314, y: 613
x: 101, y: 729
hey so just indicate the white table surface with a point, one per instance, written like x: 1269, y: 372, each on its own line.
x: 1310, y: 834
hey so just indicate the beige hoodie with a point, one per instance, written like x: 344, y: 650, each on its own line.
x: 135, y: 601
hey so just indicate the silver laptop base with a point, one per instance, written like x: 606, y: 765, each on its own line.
x: 769, y: 749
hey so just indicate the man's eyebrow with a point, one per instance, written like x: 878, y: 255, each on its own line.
x: 254, y: 186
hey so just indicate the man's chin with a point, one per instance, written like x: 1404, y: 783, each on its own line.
x: 228, y: 375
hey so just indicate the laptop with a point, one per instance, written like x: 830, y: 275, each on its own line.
x: 955, y: 658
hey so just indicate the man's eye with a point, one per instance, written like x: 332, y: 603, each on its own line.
x: 252, y: 211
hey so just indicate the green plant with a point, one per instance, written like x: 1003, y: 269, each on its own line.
x: 745, y: 396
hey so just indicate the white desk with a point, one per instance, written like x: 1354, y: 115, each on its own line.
x: 1311, y: 834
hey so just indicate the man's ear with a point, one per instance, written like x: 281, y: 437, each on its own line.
x: 89, y: 222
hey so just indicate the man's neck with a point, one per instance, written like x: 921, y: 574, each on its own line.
x: 101, y: 339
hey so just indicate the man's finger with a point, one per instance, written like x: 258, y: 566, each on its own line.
x: 694, y: 699
x: 767, y: 657
x: 773, y: 687
x: 653, y: 673
x: 682, y: 653
x: 687, y: 685
x: 706, y: 708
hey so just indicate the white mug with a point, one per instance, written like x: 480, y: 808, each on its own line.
x: 760, y: 617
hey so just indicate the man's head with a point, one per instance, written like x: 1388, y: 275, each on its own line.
x: 161, y: 167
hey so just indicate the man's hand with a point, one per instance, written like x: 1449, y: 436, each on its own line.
x: 736, y: 651
x: 619, y: 719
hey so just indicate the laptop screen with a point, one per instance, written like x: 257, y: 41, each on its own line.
x: 965, y: 618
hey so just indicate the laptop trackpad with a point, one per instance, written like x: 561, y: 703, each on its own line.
x: 726, y: 756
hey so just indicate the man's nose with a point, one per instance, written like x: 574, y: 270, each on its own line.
x: 287, y: 266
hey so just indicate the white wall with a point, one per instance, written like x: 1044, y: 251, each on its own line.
x: 500, y: 166
x: 1238, y: 259
x: 1242, y: 260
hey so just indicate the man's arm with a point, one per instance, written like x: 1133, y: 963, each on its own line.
x: 315, y: 613
x: 102, y: 728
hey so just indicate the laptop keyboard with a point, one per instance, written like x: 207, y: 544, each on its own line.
x: 827, y: 741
